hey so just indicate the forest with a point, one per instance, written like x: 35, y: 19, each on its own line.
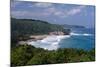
x: 29, y: 55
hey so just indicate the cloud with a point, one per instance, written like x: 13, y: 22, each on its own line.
x: 44, y: 5
x: 67, y: 13
x: 64, y: 12
x: 54, y: 11
x: 28, y: 14
x: 19, y: 13
x: 75, y: 10
x: 49, y: 9
x: 58, y: 13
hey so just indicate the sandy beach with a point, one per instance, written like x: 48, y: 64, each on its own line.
x: 38, y: 37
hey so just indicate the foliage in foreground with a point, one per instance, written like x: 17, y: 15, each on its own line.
x: 29, y: 55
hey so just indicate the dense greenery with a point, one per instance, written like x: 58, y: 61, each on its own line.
x: 21, y: 29
x: 29, y: 55
x: 28, y: 26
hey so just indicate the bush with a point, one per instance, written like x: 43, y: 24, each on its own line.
x: 29, y: 55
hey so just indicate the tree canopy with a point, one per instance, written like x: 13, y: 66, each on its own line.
x: 29, y: 55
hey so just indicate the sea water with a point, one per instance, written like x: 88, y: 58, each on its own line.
x: 78, y: 38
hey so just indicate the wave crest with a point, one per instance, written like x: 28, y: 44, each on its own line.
x: 77, y: 34
x: 50, y: 42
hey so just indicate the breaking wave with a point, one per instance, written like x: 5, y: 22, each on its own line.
x: 78, y: 34
x: 50, y: 42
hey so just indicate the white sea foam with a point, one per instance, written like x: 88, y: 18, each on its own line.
x: 50, y: 42
x: 87, y: 34
x: 77, y: 34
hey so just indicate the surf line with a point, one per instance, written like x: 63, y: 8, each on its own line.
x: 51, y: 42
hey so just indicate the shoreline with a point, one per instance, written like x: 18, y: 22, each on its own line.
x: 39, y: 37
x: 50, y: 42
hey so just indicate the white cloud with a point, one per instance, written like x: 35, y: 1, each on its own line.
x: 54, y: 11
x: 43, y: 4
x: 30, y: 14
x: 19, y: 13
x: 64, y: 12
x: 58, y: 13
x: 67, y: 13
x: 49, y: 9
x: 75, y: 10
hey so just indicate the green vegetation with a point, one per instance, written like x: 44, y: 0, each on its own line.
x: 21, y: 29
x: 29, y: 55
x: 35, y: 27
x: 25, y: 54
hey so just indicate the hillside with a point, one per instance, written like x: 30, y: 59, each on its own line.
x: 21, y: 29
x: 28, y: 26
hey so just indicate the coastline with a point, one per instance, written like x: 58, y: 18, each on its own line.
x: 49, y: 42
x: 38, y: 37
x: 41, y: 37
x: 33, y: 38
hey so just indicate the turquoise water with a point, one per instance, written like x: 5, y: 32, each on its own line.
x: 80, y: 42
x: 80, y: 38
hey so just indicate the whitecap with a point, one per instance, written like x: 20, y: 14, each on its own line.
x: 78, y: 34
x: 50, y: 42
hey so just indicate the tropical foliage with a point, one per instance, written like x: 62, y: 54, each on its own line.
x: 29, y: 55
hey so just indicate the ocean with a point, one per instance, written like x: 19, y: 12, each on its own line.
x: 79, y: 38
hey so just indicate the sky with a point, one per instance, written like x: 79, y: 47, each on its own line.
x: 83, y: 15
